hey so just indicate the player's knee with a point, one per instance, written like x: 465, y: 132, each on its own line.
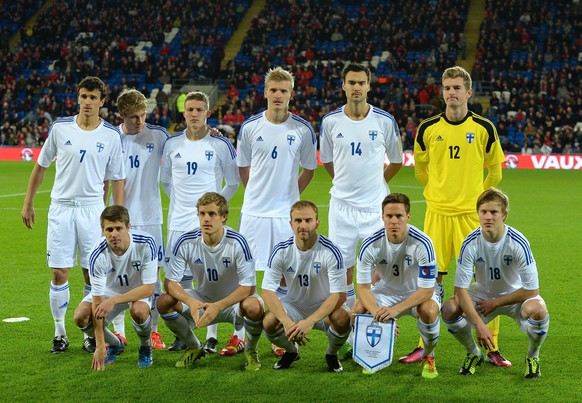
x: 535, y: 310
x: 340, y: 320
x: 251, y: 308
x: 165, y: 303
x: 139, y: 312
x: 450, y: 310
x: 82, y: 314
x: 428, y: 311
x: 60, y: 276
x: 270, y: 323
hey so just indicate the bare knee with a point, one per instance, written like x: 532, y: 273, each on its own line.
x: 428, y: 311
x: 60, y: 276
x: 450, y: 310
x: 83, y: 314
x: 270, y: 323
x: 166, y: 303
x: 340, y: 320
x: 139, y: 311
x: 251, y: 308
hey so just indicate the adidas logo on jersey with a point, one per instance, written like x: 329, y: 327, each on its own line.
x: 198, y: 261
x: 178, y: 156
x: 439, y: 138
x: 339, y: 136
x: 68, y: 143
x: 480, y: 260
x: 260, y: 138
x: 290, y: 270
x: 383, y: 261
x: 112, y: 270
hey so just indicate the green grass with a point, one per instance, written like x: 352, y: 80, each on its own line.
x: 545, y: 206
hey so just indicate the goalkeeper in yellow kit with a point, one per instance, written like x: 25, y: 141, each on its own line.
x: 451, y: 150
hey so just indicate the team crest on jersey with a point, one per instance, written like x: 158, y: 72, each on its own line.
x: 373, y: 333
x: 507, y: 259
x: 408, y: 259
x: 373, y: 134
x: 209, y: 154
x: 136, y: 264
x: 317, y: 267
x: 150, y: 147
x: 290, y: 139
x: 100, y: 147
x: 470, y: 137
x: 226, y: 261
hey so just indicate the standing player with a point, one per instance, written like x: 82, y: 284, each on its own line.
x: 123, y: 274
x: 314, y: 271
x: 142, y: 145
x: 355, y: 140
x: 271, y: 147
x: 87, y: 150
x: 221, y: 263
x: 193, y: 163
x: 499, y: 259
x: 450, y: 151
x: 406, y: 263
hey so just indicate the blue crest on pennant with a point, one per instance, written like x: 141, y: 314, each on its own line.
x: 373, y: 334
x: 209, y: 155
x: 100, y: 147
x: 470, y: 137
x: 507, y: 259
x: 150, y: 147
x: 290, y: 139
x: 373, y: 134
x: 317, y: 267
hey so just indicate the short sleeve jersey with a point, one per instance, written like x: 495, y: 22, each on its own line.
x: 274, y: 153
x: 456, y: 153
x: 84, y: 159
x: 143, y: 155
x: 194, y: 168
x: 119, y: 274
x: 357, y: 149
x: 311, y: 276
x: 403, y: 267
x: 500, y: 268
x: 217, y: 271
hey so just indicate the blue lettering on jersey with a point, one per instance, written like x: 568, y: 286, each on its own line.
x: 100, y: 147
x: 150, y: 147
x: 507, y: 259
x: 470, y: 137
x: 317, y: 267
x: 373, y: 134
x: 209, y: 154
x: 290, y: 139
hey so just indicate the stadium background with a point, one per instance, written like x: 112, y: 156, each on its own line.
x: 524, y: 55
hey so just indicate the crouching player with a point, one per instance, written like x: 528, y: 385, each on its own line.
x: 314, y: 270
x: 506, y: 283
x: 224, y: 272
x: 123, y: 272
x: 405, y: 260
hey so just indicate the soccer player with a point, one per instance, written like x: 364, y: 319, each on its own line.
x: 87, y: 150
x: 316, y: 279
x: 221, y: 263
x: 142, y: 145
x: 123, y: 271
x: 500, y: 260
x: 271, y: 147
x: 405, y: 261
x: 195, y: 162
x: 354, y: 141
x: 450, y: 151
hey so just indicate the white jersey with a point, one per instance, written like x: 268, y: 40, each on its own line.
x: 499, y: 268
x: 143, y: 155
x: 357, y: 149
x: 311, y: 276
x: 217, y: 271
x: 194, y: 168
x: 403, y: 267
x: 274, y: 153
x: 120, y: 274
x: 84, y: 159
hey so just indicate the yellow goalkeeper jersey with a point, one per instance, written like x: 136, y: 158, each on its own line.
x: 456, y: 153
